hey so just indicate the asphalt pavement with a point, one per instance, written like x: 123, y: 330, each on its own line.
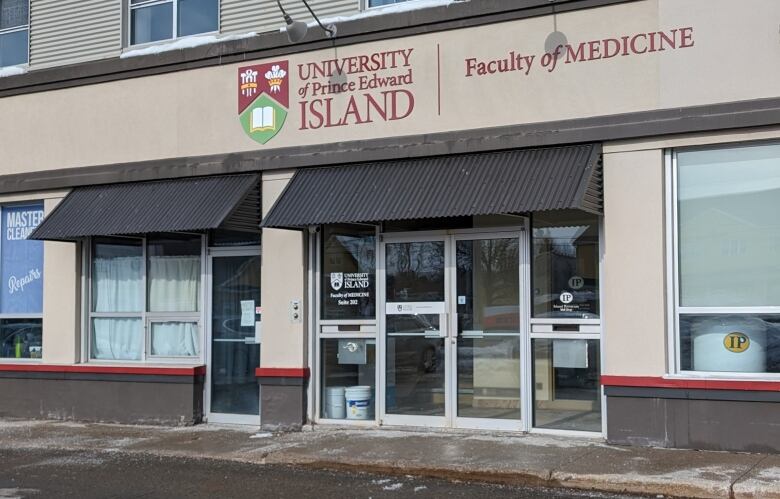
x: 40, y: 473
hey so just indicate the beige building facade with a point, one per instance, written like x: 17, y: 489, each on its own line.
x: 555, y: 218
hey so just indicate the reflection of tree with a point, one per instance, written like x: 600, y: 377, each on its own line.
x: 499, y: 265
x: 415, y: 271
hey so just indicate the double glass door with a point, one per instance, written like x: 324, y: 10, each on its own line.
x: 452, y: 331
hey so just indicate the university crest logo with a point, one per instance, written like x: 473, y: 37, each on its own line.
x: 263, y: 99
x: 336, y: 280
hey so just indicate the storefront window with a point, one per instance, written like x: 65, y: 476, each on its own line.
x: 728, y: 250
x: 348, y: 379
x: 21, y: 298
x: 565, y: 265
x: 566, y: 384
x: 122, y: 309
x: 348, y: 273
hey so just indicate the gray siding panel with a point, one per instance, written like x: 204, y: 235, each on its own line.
x: 242, y: 16
x: 68, y: 31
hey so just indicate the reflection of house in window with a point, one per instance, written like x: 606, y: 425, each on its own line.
x: 729, y: 233
x: 565, y: 246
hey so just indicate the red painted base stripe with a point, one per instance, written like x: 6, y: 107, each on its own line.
x: 282, y: 372
x: 698, y: 384
x: 92, y: 369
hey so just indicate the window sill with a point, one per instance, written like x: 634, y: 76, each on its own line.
x: 695, y: 382
x: 146, y: 369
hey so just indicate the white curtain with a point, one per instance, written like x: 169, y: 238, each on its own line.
x: 174, y: 286
x: 117, y: 284
x: 174, y: 283
x: 117, y: 339
x: 175, y: 339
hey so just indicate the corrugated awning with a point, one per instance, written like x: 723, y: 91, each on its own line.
x: 188, y: 204
x: 506, y: 182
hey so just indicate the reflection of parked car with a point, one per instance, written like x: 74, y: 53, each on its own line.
x: 418, y: 359
x: 21, y: 340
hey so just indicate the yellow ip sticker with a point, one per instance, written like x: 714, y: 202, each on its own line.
x: 736, y: 342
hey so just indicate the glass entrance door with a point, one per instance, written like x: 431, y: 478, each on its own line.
x: 234, y: 395
x: 416, y: 339
x: 452, y: 335
x: 489, y: 355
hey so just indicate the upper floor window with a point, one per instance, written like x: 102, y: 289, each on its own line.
x: 379, y: 3
x: 14, y: 32
x: 155, y: 20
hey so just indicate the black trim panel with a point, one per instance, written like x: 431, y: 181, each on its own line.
x: 691, y: 394
x: 130, y: 378
x: 281, y: 380
x: 733, y: 115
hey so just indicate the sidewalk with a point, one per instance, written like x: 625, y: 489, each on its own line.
x: 492, y: 457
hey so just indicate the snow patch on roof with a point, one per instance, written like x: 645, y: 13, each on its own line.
x: 184, y: 43
x: 385, y: 9
x: 12, y: 71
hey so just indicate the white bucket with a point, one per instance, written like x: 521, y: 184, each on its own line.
x: 358, y: 400
x: 710, y: 352
x: 334, y: 403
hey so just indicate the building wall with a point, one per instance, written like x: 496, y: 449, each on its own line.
x: 282, y: 375
x: 72, y: 31
x: 172, y: 119
x: 634, y: 255
x: 283, y: 280
x: 240, y: 16
x: 647, y: 404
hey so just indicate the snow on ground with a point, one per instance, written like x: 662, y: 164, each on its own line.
x: 12, y: 71
x: 184, y: 43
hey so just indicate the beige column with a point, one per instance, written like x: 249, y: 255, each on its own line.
x: 283, y: 282
x: 61, y: 299
x: 634, y: 264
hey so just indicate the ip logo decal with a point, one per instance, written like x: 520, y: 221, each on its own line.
x: 736, y: 342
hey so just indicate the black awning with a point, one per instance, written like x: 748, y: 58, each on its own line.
x: 187, y: 204
x: 506, y: 182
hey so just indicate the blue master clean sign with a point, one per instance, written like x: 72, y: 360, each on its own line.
x: 21, y: 261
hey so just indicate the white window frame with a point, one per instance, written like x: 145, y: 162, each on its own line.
x: 174, y: 28
x: 31, y: 202
x: 22, y: 27
x: 366, y: 4
x: 674, y: 310
x: 146, y: 317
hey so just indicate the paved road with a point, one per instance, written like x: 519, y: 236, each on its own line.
x: 63, y: 474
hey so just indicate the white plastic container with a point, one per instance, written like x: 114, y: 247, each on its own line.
x: 710, y: 352
x: 358, y: 400
x: 335, y: 407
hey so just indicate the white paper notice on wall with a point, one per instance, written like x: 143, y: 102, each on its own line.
x: 247, y: 313
x: 570, y: 354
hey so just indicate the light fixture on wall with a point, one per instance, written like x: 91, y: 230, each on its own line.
x: 296, y: 30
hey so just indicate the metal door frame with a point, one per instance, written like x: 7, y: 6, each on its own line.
x: 397, y: 419
x: 450, y: 238
x: 524, y: 278
x: 217, y: 417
